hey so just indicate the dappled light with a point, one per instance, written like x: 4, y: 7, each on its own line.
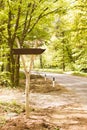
x: 43, y: 64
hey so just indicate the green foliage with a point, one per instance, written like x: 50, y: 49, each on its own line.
x: 5, y: 79
x: 22, y: 75
x: 57, y: 129
x: 2, y: 121
x: 53, y: 70
x: 23, y: 20
x: 60, y: 25
x: 77, y: 73
x: 12, y: 107
x: 29, y: 13
x: 68, y: 48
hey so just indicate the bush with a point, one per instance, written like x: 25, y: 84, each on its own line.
x: 22, y: 75
x: 5, y: 79
x: 84, y: 70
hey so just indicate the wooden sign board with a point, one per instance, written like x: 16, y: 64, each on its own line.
x: 28, y: 51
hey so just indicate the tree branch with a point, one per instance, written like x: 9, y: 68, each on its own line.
x: 39, y: 17
x: 26, y: 17
x: 27, y: 22
x: 53, y: 11
x: 9, y: 24
x: 33, y: 8
x: 17, y: 22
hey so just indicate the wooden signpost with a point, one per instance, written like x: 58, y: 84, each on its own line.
x: 27, y: 51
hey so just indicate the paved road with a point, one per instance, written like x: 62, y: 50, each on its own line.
x: 75, y: 83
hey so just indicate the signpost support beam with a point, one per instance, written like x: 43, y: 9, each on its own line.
x: 32, y: 52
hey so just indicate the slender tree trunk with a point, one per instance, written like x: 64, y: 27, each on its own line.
x: 63, y: 64
x: 27, y: 87
x: 2, y: 67
x: 8, y: 64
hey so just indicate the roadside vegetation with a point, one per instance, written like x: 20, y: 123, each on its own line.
x: 79, y: 74
x: 10, y: 109
x: 59, y: 71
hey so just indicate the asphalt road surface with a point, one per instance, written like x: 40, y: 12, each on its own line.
x: 75, y: 83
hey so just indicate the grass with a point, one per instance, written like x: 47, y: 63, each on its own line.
x: 12, y: 107
x: 50, y: 70
x: 9, y: 107
x: 76, y: 73
x: 2, y: 120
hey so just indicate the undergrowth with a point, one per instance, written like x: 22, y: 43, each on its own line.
x: 12, y: 107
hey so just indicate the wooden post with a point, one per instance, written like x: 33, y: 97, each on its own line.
x: 45, y: 77
x: 53, y: 81
x: 27, y: 87
x: 28, y: 72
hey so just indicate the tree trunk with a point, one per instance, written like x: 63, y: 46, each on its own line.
x: 2, y: 67
x: 12, y: 68
x: 63, y: 64
x: 41, y: 64
x: 27, y: 88
x: 17, y: 67
x: 8, y: 64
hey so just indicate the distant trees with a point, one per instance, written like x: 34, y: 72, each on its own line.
x: 69, y: 47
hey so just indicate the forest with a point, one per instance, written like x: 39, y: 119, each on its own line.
x: 38, y: 36
x: 59, y: 26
